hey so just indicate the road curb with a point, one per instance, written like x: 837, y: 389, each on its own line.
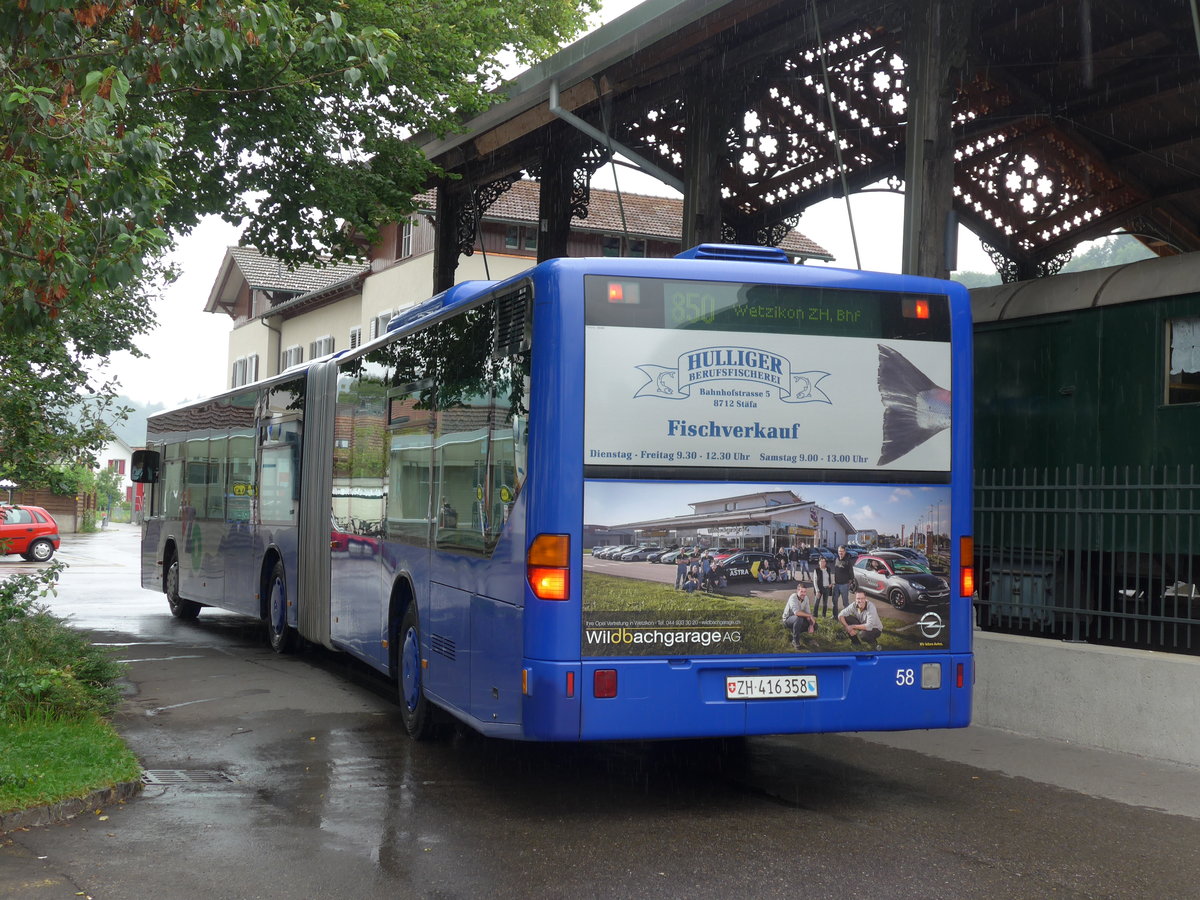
x: 67, y: 809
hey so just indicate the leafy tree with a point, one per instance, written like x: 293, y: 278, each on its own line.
x: 108, y: 488
x: 124, y: 121
x: 1113, y: 251
x: 976, y: 279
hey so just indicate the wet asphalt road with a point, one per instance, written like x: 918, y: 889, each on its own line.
x: 328, y: 798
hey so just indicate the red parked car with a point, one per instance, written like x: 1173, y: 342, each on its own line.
x: 28, y: 530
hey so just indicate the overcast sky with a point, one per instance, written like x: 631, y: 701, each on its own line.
x: 186, y: 354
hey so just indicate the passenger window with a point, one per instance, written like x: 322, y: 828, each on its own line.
x: 481, y: 421
x: 360, y: 451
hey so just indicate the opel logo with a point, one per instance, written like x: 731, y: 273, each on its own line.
x: 931, y: 625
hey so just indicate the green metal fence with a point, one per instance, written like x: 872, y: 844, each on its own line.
x: 1105, y: 556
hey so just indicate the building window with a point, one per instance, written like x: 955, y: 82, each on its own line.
x: 355, y: 337
x: 320, y: 347
x: 531, y: 238
x: 245, y: 370
x: 379, y: 324
x: 1183, y: 361
x: 117, y: 465
x: 615, y: 245
x: 512, y: 237
x: 406, y: 236
x: 292, y: 356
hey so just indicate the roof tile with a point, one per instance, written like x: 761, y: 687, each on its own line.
x: 645, y: 216
x: 265, y: 273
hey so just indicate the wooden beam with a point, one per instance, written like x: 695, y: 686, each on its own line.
x: 445, y: 236
x: 704, y: 133
x: 560, y: 156
x: 937, y: 54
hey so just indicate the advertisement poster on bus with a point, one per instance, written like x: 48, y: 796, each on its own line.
x: 692, y: 569
x: 749, y: 379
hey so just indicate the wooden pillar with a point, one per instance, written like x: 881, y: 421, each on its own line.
x: 936, y: 45
x: 701, y: 166
x: 445, y: 236
x: 559, y: 160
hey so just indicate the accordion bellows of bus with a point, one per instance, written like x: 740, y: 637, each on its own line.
x: 434, y: 502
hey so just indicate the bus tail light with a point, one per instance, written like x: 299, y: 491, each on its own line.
x: 966, y: 566
x: 547, y: 566
x: 604, y: 683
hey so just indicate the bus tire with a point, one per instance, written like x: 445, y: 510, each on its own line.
x: 415, y: 709
x: 280, y: 635
x: 180, y: 608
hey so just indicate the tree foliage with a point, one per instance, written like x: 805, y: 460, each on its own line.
x: 125, y: 121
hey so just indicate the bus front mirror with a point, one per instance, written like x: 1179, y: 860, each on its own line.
x: 145, y: 466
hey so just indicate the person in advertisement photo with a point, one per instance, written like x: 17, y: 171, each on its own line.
x: 799, y: 618
x: 709, y: 598
x: 843, y: 577
x: 822, y: 581
x: 861, y: 623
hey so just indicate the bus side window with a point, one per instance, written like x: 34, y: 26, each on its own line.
x: 408, y: 514
x: 480, y: 434
x: 240, y: 480
x: 410, y: 457
x: 360, y: 448
x: 171, y: 489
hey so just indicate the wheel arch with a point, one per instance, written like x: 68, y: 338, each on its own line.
x: 170, y: 554
x: 402, y: 597
x: 266, y: 570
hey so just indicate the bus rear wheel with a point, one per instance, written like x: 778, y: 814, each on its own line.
x: 180, y: 608
x: 280, y: 635
x: 416, y: 711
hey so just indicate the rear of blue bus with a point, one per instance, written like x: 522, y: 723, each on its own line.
x: 742, y: 415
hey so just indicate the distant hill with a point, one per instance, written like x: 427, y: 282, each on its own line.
x: 1114, y: 251
x: 133, y: 430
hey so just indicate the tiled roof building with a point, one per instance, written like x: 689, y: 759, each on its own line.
x: 313, y: 310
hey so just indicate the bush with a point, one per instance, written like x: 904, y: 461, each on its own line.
x: 46, y: 669
x: 20, y: 594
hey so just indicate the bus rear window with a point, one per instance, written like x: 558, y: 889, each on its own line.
x: 765, y: 309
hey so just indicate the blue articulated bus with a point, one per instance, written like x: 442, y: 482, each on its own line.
x: 582, y: 503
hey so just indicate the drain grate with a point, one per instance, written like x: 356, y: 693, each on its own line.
x: 184, y: 776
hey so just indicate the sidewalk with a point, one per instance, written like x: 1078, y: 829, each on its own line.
x: 1168, y: 787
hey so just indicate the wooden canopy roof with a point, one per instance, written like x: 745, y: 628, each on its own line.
x: 1059, y: 120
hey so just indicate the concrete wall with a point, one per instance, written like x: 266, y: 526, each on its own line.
x: 1130, y: 701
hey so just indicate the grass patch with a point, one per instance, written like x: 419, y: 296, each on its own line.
x: 48, y: 760
x: 56, y: 690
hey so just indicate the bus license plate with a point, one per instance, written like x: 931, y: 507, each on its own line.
x: 770, y: 687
